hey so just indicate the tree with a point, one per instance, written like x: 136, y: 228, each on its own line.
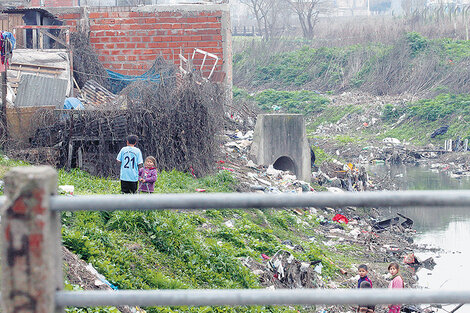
x: 264, y: 12
x: 307, y: 11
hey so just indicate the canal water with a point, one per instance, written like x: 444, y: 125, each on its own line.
x: 444, y: 228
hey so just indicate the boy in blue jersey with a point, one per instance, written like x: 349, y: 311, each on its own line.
x: 130, y: 159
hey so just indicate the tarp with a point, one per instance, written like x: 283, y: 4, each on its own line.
x: 73, y: 104
x: 119, y: 81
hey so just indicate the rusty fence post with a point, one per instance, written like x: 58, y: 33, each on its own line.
x: 31, y: 248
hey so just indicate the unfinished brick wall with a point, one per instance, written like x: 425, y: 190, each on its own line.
x: 129, y: 39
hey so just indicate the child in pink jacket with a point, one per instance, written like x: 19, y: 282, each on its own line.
x: 148, y: 175
x: 397, y: 282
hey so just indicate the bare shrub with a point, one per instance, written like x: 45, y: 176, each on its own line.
x: 178, y: 124
x: 86, y: 64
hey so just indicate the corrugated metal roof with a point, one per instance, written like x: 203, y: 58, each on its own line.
x: 14, y: 10
x: 57, y: 59
x: 95, y: 94
x: 36, y: 91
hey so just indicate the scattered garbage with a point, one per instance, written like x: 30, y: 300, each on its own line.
x: 340, y: 219
x: 283, y: 270
x: 66, y: 189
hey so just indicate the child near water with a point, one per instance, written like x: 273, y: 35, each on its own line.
x: 396, y: 282
x: 363, y: 270
x: 366, y: 308
x: 148, y: 175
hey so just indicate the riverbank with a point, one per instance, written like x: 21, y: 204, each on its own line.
x: 358, y: 239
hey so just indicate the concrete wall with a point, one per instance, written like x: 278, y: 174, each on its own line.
x: 128, y: 39
x: 280, y: 137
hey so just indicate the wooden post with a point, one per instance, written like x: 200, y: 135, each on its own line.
x: 4, y: 106
x: 31, y: 250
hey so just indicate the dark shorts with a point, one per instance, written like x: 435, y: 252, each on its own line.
x: 129, y: 186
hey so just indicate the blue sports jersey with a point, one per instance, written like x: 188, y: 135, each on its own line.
x: 130, y: 158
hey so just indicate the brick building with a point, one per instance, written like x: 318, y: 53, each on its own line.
x: 129, y: 39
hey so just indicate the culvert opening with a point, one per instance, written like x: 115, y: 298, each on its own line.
x: 285, y: 164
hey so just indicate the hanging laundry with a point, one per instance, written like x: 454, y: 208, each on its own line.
x: 7, y: 44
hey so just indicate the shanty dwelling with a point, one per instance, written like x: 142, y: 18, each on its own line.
x: 128, y: 42
x: 38, y: 74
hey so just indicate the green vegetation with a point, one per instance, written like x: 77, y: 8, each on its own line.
x: 270, y: 100
x: 413, y: 63
x: 303, y: 101
x: 425, y: 116
x: 185, y: 249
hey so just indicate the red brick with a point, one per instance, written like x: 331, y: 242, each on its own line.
x: 127, y: 21
x: 135, y: 14
x: 99, y: 27
x: 157, y: 45
x: 70, y: 16
x: 116, y: 66
x: 131, y: 58
x: 109, y: 46
x: 131, y: 45
x: 141, y: 45
x: 197, y: 26
x: 93, y: 15
x: 150, y: 20
x: 147, y: 57
x: 124, y: 26
x: 210, y: 13
x: 168, y: 20
x: 213, y: 25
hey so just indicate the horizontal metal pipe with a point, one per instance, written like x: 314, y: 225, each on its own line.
x: 258, y: 297
x: 454, y: 198
x: 460, y: 198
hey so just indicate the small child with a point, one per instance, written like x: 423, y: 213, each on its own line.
x: 362, y: 269
x: 148, y: 175
x: 366, y: 308
x: 396, y: 282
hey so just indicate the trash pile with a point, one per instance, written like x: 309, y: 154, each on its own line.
x: 253, y: 177
x: 283, y: 270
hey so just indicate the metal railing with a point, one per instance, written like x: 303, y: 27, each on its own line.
x: 58, y: 204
